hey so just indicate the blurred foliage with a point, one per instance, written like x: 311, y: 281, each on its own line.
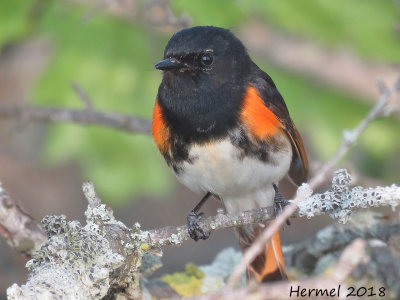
x: 365, y: 26
x: 112, y: 59
x: 187, y: 283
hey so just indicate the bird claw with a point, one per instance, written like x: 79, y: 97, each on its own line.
x: 280, y: 203
x: 279, y: 206
x: 194, y: 229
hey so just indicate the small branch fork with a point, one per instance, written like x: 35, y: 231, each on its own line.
x: 86, y: 116
x: 19, y: 229
x: 382, y: 108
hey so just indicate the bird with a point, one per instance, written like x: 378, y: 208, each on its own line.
x: 225, y: 131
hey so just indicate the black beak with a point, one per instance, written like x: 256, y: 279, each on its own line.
x: 168, y: 64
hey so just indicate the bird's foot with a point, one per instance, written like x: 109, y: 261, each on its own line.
x: 280, y: 203
x: 194, y: 229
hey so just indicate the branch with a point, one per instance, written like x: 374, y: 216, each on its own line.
x: 82, y: 262
x: 18, y: 228
x: 351, y: 257
x: 156, y: 13
x: 105, y: 255
x: 172, y: 235
x: 340, y: 202
x: 314, y: 256
x: 309, y: 255
x: 81, y: 116
x: 342, y: 69
x: 350, y: 136
x: 82, y: 95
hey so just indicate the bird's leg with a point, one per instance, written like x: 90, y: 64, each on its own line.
x: 279, y: 203
x: 193, y: 219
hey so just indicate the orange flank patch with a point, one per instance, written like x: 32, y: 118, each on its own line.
x: 260, y: 121
x: 159, y: 129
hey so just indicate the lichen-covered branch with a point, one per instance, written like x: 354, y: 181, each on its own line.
x: 80, y: 262
x: 103, y: 256
x: 172, y: 235
x: 18, y: 228
x: 339, y: 202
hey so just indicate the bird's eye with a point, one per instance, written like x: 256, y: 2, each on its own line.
x: 206, y: 59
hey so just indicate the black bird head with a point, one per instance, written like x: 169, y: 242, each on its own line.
x: 206, y: 70
x: 204, y: 52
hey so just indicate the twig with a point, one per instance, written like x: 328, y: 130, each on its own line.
x: 259, y: 244
x: 339, y: 201
x: 158, y: 13
x: 172, y: 235
x: 351, y: 257
x: 90, y: 194
x: 82, y: 95
x: 81, y: 262
x: 333, y: 238
x: 350, y: 137
x: 20, y: 230
x: 342, y: 69
x: 124, y: 122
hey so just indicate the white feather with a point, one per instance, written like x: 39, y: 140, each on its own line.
x: 242, y: 183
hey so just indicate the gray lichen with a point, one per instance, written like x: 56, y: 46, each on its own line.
x: 78, y: 257
x: 105, y: 257
x: 341, y: 200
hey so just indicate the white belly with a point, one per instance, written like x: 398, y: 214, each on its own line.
x: 219, y: 168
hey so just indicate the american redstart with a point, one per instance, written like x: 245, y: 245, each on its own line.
x: 224, y: 129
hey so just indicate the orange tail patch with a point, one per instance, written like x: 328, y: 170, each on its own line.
x: 274, y: 265
x: 268, y: 265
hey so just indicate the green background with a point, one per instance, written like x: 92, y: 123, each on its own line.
x: 112, y: 59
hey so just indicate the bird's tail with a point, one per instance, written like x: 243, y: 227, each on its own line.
x: 269, y: 264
